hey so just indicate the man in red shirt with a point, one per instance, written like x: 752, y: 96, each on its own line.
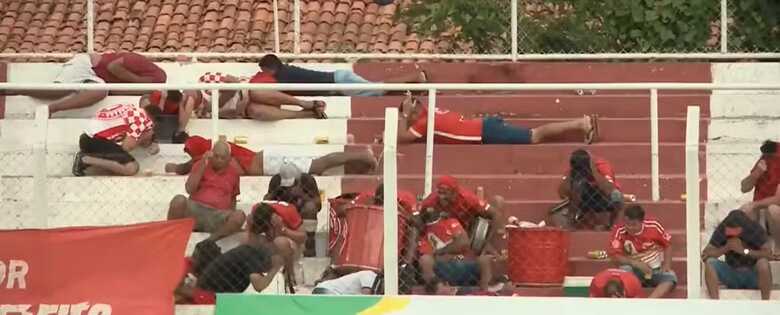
x: 615, y: 283
x: 109, y: 138
x: 593, y: 193
x: 463, y: 205
x: 643, y: 247
x: 173, y: 102
x: 122, y: 67
x: 453, y: 128
x: 213, y: 187
x: 268, y: 162
x: 764, y: 180
x: 445, y: 255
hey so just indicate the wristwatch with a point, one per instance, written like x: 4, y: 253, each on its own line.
x: 746, y: 251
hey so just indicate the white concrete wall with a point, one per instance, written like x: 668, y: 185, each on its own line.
x: 740, y: 122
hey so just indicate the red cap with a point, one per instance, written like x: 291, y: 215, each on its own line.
x: 407, y: 201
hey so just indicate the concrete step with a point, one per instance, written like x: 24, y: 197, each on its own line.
x: 552, y: 105
x: 583, y: 266
x: 528, y: 187
x: 23, y: 107
x: 293, y: 131
x: 582, y: 242
x: 626, y: 158
x: 60, y: 157
x: 611, y: 129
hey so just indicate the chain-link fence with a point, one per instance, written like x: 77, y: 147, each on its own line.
x: 753, y: 26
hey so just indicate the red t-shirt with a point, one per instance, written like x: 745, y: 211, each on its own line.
x: 262, y: 77
x: 406, y: 200
x: 116, y: 122
x: 289, y: 213
x: 217, y: 189
x: 196, y: 146
x: 605, y: 169
x: 465, y: 207
x: 169, y: 107
x: 438, y: 235
x: 647, y: 246
x: 766, y: 185
x: 449, y: 128
x: 133, y: 62
x: 631, y: 285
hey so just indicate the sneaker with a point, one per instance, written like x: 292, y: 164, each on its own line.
x: 78, y: 165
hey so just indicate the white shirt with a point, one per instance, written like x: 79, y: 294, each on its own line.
x: 350, y: 284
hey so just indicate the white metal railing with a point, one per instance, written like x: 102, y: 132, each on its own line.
x: 691, y: 147
x: 692, y: 205
x: 513, y: 55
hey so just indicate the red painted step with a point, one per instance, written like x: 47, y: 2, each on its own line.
x: 544, y: 72
x: 584, y: 241
x: 527, y: 187
x: 670, y: 213
x: 611, y: 129
x: 583, y: 266
x: 548, y: 158
x: 544, y: 106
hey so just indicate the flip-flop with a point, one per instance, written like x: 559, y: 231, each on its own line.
x: 593, y: 133
x: 423, y: 72
x: 78, y: 165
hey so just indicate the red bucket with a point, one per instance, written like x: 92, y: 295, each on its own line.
x: 362, y: 248
x: 538, y: 256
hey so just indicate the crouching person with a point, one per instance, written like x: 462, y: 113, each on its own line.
x: 445, y: 255
x: 744, y: 243
x: 286, y: 234
x: 615, y: 283
x: 252, y: 263
x: 111, y: 135
x: 642, y: 246
x: 364, y: 282
x: 213, y: 186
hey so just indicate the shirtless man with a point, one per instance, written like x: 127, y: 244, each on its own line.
x: 268, y: 162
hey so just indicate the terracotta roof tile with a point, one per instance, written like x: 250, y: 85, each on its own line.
x: 210, y: 25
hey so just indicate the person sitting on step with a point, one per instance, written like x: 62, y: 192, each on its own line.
x: 744, y: 244
x: 764, y: 180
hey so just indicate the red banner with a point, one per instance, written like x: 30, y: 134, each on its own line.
x: 114, y: 270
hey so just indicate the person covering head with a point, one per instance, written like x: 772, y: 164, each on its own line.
x: 288, y: 173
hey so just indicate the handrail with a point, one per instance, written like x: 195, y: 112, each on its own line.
x: 390, y: 86
x: 401, y: 56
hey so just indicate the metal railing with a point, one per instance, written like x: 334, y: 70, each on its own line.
x: 513, y: 55
x: 391, y: 224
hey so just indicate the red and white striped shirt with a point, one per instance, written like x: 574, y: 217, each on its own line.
x: 449, y: 128
x: 115, y: 122
x: 646, y: 246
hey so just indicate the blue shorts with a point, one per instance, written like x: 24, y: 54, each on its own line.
x: 496, y: 131
x: 349, y: 76
x: 457, y: 272
x: 734, y: 278
x: 657, y: 278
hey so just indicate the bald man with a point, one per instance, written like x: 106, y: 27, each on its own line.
x: 213, y: 186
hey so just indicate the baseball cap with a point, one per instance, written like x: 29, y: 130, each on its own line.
x: 288, y: 173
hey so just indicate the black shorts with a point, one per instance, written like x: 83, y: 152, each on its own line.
x: 104, y: 149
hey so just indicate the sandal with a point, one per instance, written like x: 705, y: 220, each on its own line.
x: 78, y: 165
x: 593, y: 133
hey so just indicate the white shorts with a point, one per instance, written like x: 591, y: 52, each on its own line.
x: 273, y: 159
x: 78, y: 70
x: 241, y: 97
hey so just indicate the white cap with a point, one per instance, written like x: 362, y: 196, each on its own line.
x: 288, y: 173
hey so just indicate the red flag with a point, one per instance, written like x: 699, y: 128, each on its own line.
x: 113, y: 270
